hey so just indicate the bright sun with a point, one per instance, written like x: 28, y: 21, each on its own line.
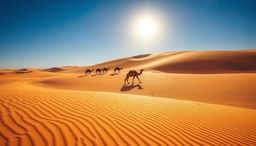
x: 146, y: 27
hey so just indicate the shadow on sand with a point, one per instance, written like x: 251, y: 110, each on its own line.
x: 1, y: 73
x: 23, y: 72
x: 113, y: 74
x: 98, y: 74
x: 127, y: 87
x: 82, y: 76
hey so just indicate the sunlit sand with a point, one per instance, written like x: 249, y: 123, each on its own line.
x: 185, y: 98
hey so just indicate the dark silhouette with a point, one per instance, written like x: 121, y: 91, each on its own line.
x: 105, y: 70
x: 117, y: 70
x: 98, y: 70
x: 133, y: 73
x: 112, y: 74
x: 54, y: 69
x: 130, y: 87
x: 82, y: 76
x: 23, y: 72
x: 88, y: 71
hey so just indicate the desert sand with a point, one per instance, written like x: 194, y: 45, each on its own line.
x: 185, y: 98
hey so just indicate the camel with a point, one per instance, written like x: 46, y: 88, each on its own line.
x: 117, y: 70
x: 133, y: 73
x: 105, y: 70
x: 98, y: 70
x: 88, y: 71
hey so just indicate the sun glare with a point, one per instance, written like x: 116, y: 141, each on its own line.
x: 146, y: 27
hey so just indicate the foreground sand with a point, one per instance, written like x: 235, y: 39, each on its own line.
x: 185, y: 98
x: 34, y: 115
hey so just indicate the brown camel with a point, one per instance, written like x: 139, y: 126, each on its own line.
x: 88, y: 71
x: 98, y: 70
x: 105, y: 70
x: 117, y: 70
x: 133, y: 73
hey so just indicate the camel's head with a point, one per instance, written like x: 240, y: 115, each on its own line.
x: 121, y: 67
x: 142, y: 69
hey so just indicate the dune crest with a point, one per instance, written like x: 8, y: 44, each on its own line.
x: 189, y: 62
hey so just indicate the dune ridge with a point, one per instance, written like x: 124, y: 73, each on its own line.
x: 190, y: 62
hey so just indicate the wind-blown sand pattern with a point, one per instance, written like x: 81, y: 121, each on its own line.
x: 31, y: 115
x: 68, y: 108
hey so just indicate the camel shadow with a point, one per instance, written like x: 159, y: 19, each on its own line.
x: 98, y: 74
x: 82, y: 76
x: 127, y: 87
x: 113, y: 74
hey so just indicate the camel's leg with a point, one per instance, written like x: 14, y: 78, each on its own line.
x: 125, y: 80
x: 138, y: 79
x: 133, y: 79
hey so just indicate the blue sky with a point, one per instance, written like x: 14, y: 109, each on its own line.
x: 44, y: 33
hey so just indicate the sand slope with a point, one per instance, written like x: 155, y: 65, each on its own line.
x: 32, y: 115
x: 187, y: 62
x: 227, y: 89
x: 62, y: 106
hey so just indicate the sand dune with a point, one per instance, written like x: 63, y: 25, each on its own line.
x: 226, y: 89
x: 209, y: 100
x: 188, y: 62
x: 54, y: 69
x: 32, y: 115
x: 210, y: 62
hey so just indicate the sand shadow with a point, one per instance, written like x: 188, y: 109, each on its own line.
x: 1, y: 73
x: 127, y: 87
x: 23, y: 72
x: 98, y: 74
x: 82, y: 76
x: 113, y: 74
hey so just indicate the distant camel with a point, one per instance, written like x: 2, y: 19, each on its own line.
x: 133, y: 73
x: 88, y: 71
x: 98, y: 70
x: 117, y: 70
x: 105, y: 70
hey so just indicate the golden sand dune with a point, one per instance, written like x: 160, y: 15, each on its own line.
x: 188, y: 62
x: 63, y: 106
x: 227, y: 89
x: 32, y: 115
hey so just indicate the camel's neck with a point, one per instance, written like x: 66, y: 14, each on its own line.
x: 140, y: 72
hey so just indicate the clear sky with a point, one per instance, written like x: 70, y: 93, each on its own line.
x: 48, y: 33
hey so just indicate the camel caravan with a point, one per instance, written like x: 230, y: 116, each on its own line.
x: 117, y: 70
x: 104, y: 70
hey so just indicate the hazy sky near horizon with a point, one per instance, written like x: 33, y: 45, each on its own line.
x: 48, y: 33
